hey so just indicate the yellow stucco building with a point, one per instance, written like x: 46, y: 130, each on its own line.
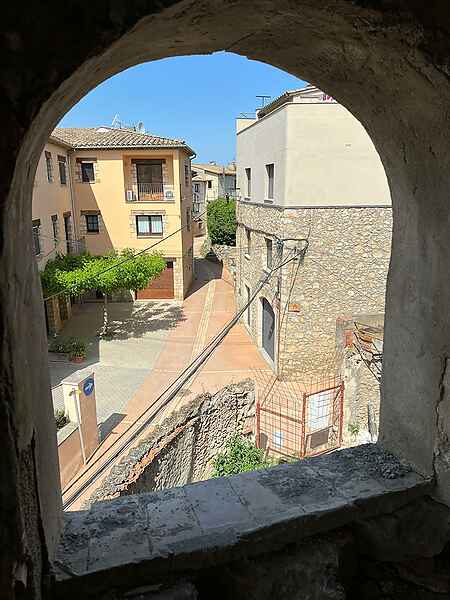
x: 105, y: 188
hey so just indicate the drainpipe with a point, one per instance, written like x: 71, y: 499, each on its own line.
x: 72, y: 198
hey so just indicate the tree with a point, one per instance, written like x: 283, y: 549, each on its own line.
x: 76, y: 275
x: 221, y: 219
x: 240, y: 456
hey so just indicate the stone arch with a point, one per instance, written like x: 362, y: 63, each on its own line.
x: 387, y: 63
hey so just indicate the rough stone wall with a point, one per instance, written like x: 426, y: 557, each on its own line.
x: 362, y: 394
x: 343, y: 271
x: 181, y: 449
x: 227, y: 256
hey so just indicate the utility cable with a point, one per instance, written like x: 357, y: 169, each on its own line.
x: 130, y: 258
x: 172, y: 390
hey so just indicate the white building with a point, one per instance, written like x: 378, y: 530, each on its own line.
x: 214, y: 181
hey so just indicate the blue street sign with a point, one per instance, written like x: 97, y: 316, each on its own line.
x: 88, y: 386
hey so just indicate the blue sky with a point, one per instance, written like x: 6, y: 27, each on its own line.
x: 195, y: 98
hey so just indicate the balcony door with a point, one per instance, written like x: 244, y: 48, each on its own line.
x: 150, y: 179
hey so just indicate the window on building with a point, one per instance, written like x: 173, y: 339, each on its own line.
x: 87, y: 172
x: 197, y: 188
x: 248, y: 175
x: 37, y: 236
x: 270, y: 169
x: 188, y: 219
x: 187, y: 174
x: 247, y: 300
x: 62, y: 169
x: 209, y: 184
x: 268, y: 253
x: 92, y: 223
x: 248, y: 238
x: 149, y: 225
x: 55, y: 228
x: 49, y: 166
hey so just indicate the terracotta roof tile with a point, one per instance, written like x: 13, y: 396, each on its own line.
x: 110, y: 137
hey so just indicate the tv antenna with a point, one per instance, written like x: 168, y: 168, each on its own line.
x: 263, y: 99
x: 116, y: 122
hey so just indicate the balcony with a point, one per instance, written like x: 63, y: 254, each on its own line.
x: 150, y: 192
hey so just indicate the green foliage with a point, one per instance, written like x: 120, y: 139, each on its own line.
x: 240, y: 455
x: 353, y: 429
x: 61, y: 418
x: 72, y: 346
x: 75, y: 275
x: 77, y: 349
x: 221, y: 218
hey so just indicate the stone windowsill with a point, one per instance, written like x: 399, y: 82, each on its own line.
x: 269, y: 200
x: 142, y: 537
x: 150, y: 235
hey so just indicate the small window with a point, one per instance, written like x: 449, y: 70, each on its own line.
x: 187, y: 177
x: 270, y: 169
x: 248, y: 175
x: 209, y: 184
x: 49, y: 166
x: 62, y: 170
x: 247, y: 300
x: 248, y: 237
x: 55, y: 228
x: 92, y: 223
x: 148, y: 225
x: 197, y: 188
x: 37, y: 236
x: 188, y: 219
x: 268, y: 253
x: 87, y: 172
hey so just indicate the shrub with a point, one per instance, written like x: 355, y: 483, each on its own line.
x: 221, y: 218
x: 240, y: 456
x: 77, y: 349
x: 72, y: 346
x: 61, y: 418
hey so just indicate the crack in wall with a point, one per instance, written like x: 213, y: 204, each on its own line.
x: 441, y: 457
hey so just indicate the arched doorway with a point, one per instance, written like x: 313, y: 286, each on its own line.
x: 268, y: 329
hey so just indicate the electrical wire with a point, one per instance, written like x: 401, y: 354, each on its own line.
x: 177, y: 385
x: 130, y: 258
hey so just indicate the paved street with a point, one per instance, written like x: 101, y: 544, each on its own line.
x: 122, y: 362
x: 187, y: 331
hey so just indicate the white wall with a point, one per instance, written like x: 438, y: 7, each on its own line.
x: 257, y: 145
x: 322, y: 156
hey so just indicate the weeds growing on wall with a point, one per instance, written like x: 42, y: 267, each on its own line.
x: 240, y: 456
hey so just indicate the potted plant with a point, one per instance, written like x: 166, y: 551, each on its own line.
x: 77, y: 351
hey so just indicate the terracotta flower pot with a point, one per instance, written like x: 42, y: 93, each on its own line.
x: 77, y: 359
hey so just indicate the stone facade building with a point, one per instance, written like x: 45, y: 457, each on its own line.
x: 310, y: 179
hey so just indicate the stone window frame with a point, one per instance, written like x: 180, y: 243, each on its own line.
x: 79, y: 172
x: 84, y: 222
x: 248, y: 183
x: 269, y: 188
x: 55, y: 229
x: 36, y: 224
x: 269, y: 254
x: 259, y: 320
x: 92, y: 224
x: 49, y: 166
x: 62, y: 167
x: 248, y: 242
x: 149, y: 218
